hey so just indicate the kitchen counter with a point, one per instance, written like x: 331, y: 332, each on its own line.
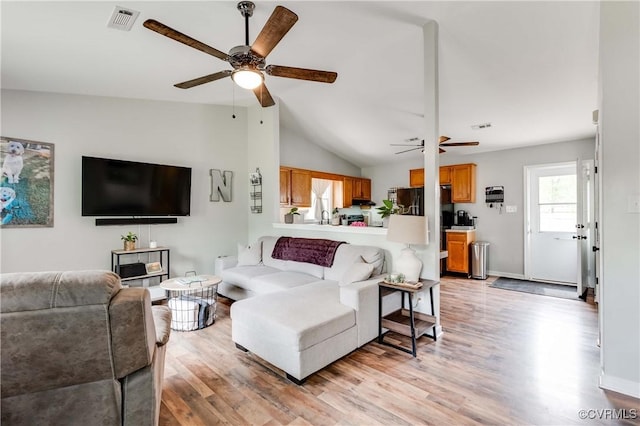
x: 368, y: 230
x: 460, y: 230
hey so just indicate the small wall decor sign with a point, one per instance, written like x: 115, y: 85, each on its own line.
x: 26, y: 184
x: 220, y: 185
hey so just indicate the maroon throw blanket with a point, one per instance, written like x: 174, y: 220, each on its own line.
x: 308, y: 250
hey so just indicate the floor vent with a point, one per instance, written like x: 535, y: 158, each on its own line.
x: 122, y: 19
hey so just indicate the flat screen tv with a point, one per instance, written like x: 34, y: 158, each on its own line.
x: 126, y: 188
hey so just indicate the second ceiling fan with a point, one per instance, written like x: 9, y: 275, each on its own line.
x: 443, y: 141
x: 249, y: 61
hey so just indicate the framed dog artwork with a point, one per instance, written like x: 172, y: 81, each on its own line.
x: 26, y: 185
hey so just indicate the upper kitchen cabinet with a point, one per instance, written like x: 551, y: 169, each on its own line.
x: 295, y: 187
x: 463, y: 183
x: 445, y: 175
x: 461, y: 177
x: 416, y: 177
x: 361, y: 189
x: 347, y: 191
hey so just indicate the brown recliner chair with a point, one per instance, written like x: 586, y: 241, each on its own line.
x: 77, y: 348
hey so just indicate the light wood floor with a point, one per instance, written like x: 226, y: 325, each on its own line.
x: 505, y: 358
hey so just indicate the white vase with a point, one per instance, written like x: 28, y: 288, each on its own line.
x: 385, y: 222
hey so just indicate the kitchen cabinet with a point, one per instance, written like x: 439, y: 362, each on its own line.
x: 458, y: 247
x: 463, y: 183
x: 445, y: 175
x: 361, y: 189
x: 416, y: 177
x: 461, y: 177
x: 295, y: 187
x: 347, y: 191
x: 285, y: 185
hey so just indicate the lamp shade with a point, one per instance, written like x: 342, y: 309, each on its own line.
x: 408, y: 229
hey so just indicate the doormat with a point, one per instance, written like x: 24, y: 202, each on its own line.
x: 544, y: 289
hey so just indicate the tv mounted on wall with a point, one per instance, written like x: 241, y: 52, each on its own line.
x: 127, y: 188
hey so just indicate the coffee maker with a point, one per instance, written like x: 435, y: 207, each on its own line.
x: 462, y: 218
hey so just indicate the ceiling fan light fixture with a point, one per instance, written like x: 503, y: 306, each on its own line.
x: 247, y: 78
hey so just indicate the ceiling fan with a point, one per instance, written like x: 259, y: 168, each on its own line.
x: 248, y: 61
x: 442, y: 142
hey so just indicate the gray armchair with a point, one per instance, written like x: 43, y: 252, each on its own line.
x: 78, y: 349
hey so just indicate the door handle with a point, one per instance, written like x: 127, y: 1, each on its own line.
x: 594, y: 249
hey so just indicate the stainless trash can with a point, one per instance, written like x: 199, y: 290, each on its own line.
x: 479, y: 259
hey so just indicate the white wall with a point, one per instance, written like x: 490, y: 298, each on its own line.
x: 620, y: 244
x: 264, y: 151
x: 297, y: 151
x: 505, y: 231
x: 202, y: 137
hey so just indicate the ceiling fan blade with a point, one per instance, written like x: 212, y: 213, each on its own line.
x: 160, y: 28
x: 279, y: 24
x: 302, y: 73
x: 202, y: 80
x: 444, y: 139
x: 407, y: 150
x: 263, y: 95
x: 440, y: 150
x: 474, y: 143
x: 404, y: 144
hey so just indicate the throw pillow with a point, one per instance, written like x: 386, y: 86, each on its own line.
x: 356, y: 272
x: 250, y: 255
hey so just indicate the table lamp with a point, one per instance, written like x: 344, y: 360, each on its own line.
x: 409, y: 230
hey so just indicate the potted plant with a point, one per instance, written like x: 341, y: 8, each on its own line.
x: 129, y: 241
x: 288, y: 218
x: 386, y: 210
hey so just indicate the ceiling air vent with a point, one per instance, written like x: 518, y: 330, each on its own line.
x: 122, y: 19
x: 481, y: 126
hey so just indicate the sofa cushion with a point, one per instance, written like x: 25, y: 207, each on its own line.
x: 27, y: 291
x: 305, y: 268
x: 278, y: 281
x: 250, y: 255
x: 348, y: 254
x: 268, y: 244
x: 295, y: 318
x: 242, y: 275
x: 357, y: 272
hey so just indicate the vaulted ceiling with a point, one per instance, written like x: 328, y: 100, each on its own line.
x: 528, y: 68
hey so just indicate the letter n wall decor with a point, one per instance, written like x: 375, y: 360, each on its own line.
x: 220, y: 185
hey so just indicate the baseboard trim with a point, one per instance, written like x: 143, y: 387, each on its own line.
x: 623, y: 386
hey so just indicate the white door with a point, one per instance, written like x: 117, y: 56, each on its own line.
x: 552, y: 244
x: 586, y: 229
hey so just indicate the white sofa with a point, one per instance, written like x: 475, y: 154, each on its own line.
x: 298, y: 316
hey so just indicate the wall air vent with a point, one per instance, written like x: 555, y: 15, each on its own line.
x: 122, y: 18
x: 481, y: 126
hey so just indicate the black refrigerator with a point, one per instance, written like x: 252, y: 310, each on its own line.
x: 446, y: 214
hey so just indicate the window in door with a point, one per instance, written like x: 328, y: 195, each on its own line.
x: 557, y: 203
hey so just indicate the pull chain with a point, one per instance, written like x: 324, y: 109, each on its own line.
x: 261, y: 107
x: 233, y: 96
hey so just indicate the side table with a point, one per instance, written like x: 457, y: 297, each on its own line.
x: 192, y: 301
x: 405, y: 321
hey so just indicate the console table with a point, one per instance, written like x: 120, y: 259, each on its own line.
x: 405, y: 321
